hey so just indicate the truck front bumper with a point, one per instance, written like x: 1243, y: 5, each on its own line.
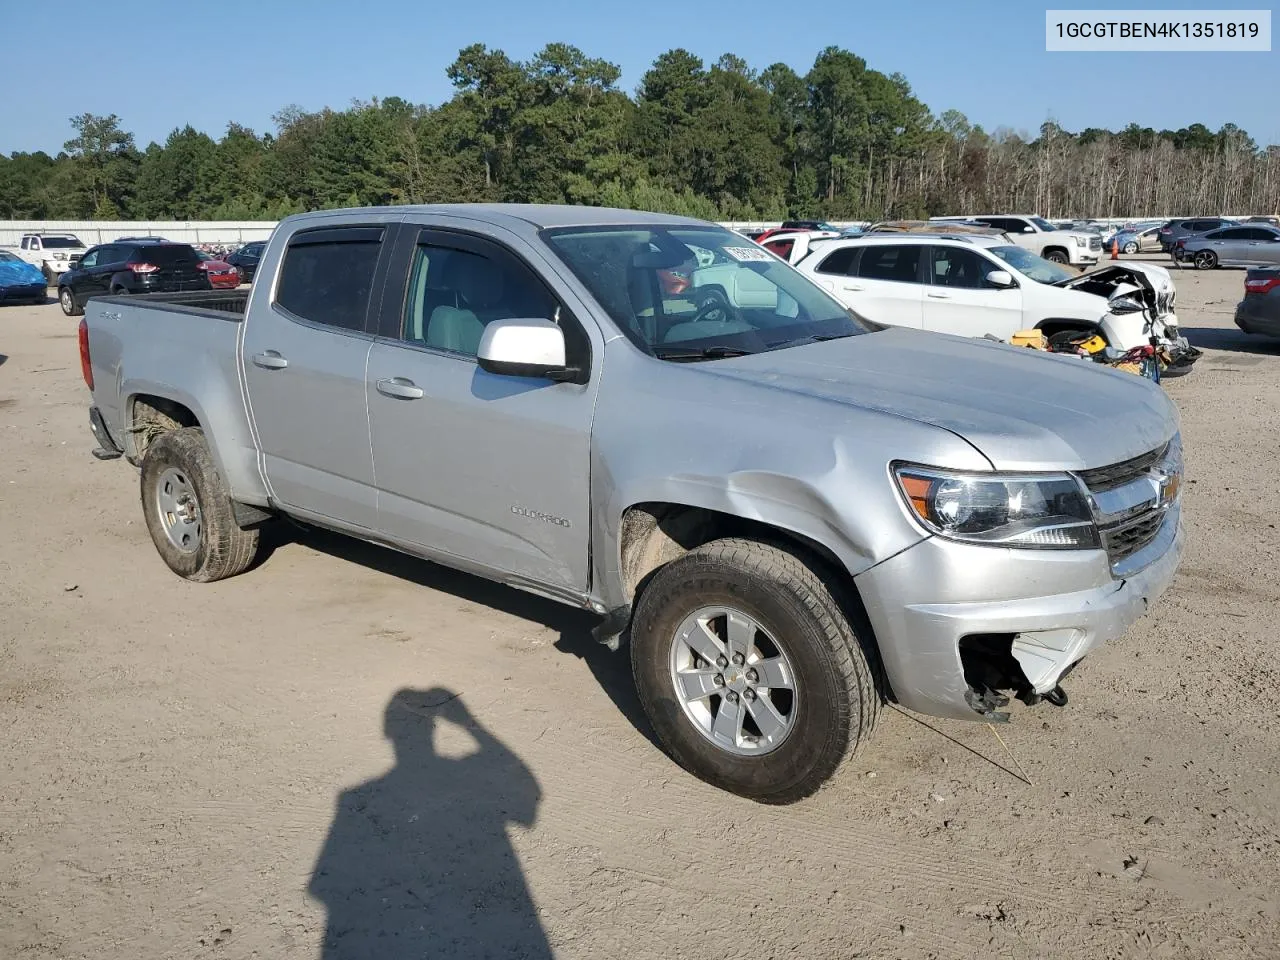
x: 1049, y: 608
x: 57, y: 266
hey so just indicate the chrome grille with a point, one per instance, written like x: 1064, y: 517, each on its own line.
x: 1095, y: 242
x: 1118, y: 474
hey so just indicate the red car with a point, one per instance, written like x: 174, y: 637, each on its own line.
x: 222, y: 275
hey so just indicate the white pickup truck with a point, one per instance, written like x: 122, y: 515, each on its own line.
x: 53, y: 253
x: 1076, y: 247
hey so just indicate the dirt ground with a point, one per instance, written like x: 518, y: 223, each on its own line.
x: 348, y: 740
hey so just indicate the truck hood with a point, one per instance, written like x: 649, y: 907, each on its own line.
x: 1022, y: 409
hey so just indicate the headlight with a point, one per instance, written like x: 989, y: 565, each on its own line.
x: 1043, y: 511
x: 1080, y: 241
x: 59, y: 256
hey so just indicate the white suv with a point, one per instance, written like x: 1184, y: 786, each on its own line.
x: 973, y: 286
x: 1080, y: 248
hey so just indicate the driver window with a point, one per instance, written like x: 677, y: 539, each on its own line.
x: 90, y: 259
x: 955, y: 267
x: 454, y: 294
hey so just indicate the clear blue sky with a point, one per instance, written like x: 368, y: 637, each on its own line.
x: 159, y: 66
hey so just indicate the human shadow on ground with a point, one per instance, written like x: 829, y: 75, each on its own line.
x: 418, y: 862
x: 611, y: 669
x: 3, y: 358
x: 1230, y: 338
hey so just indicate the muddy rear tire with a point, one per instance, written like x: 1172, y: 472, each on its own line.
x: 774, y: 725
x: 188, y: 510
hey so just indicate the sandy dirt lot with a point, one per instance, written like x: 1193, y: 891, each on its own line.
x: 344, y: 740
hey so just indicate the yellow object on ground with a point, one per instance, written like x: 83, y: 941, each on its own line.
x: 1030, y: 338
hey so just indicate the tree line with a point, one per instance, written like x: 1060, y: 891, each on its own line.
x: 720, y: 141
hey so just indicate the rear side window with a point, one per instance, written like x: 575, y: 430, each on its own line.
x: 327, y: 276
x: 1199, y: 225
x: 891, y: 262
x: 839, y: 262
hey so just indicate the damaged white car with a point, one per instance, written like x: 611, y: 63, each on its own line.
x: 979, y: 286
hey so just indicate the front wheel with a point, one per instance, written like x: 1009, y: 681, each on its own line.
x: 1130, y: 247
x: 68, y: 301
x: 188, y: 509
x: 1057, y: 256
x: 1206, y: 260
x: 752, y: 676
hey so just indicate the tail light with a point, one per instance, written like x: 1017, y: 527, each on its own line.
x: 142, y: 267
x: 86, y: 367
x: 1262, y: 284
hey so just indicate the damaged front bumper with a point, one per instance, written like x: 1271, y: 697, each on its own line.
x: 955, y: 622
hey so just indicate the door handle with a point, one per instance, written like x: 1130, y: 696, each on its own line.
x: 269, y: 360
x: 940, y: 296
x: 852, y: 286
x: 401, y: 388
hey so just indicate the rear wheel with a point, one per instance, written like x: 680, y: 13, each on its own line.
x: 188, y: 509
x: 1205, y: 260
x: 68, y: 301
x: 749, y: 671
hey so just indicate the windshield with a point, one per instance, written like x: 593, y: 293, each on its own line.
x: 1043, y: 224
x: 693, y: 293
x: 60, y: 243
x: 1029, y: 265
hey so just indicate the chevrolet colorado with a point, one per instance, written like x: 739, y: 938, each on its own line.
x: 791, y: 514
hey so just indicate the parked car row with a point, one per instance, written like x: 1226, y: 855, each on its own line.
x: 1079, y: 248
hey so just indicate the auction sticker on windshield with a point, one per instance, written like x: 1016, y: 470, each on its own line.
x: 749, y: 253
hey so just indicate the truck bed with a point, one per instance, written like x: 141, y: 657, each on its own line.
x: 219, y: 304
x: 181, y: 347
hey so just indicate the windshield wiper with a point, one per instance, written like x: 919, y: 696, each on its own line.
x: 698, y: 353
x: 799, y: 341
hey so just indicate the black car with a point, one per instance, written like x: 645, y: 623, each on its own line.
x: 1259, y: 311
x: 246, y: 259
x: 130, y: 267
x: 1176, y: 230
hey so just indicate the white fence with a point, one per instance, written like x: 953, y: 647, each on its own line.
x: 240, y: 231
x: 104, y: 231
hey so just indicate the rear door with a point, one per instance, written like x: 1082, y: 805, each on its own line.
x: 470, y: 464
x: 304, y: 356
x: 96, y: 281
x: 889, y: 287
x: 958, y: 299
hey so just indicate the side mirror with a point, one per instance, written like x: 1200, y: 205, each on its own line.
x: 1001, y: 279
x: 525, y: 348
x: 1028, y: 229
x: 1125, y: 305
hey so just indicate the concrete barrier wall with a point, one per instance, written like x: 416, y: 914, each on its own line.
x: 103, y: 231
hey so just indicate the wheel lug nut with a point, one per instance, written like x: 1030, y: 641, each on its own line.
x: 739, y: 659
x: 731, y: 697
x: 721, y: 662
x: 749, y: 694
x: 752, y: 676
x: 718, y: 680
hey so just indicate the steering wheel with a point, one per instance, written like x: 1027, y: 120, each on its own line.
x: 714, y: 305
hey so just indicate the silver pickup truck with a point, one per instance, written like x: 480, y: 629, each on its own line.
x: 791, y: 514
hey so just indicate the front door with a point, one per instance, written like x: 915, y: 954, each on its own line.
x: 469, y: 464
x: 958, y: 298
x: 304, y: 358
